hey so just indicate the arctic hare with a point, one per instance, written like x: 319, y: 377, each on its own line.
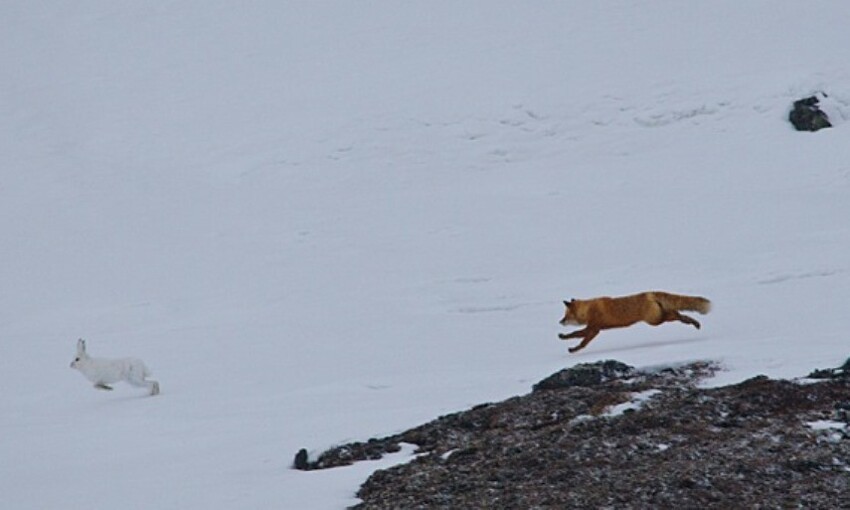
x: 103, y: 372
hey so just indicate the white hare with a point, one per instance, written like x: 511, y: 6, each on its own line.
x: 103, y: 372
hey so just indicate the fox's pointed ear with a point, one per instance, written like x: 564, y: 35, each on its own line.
x: 569, y: 303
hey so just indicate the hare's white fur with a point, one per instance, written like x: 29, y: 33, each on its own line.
x: 103, y: 372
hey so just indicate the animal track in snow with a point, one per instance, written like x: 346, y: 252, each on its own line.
x: 781, y: 278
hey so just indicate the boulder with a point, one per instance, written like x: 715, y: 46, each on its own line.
x: 806, y: 115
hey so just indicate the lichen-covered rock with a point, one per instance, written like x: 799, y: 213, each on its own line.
x: 758, y: 444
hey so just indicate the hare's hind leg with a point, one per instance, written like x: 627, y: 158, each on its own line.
x: 101, y: 386
x: 136, y: 377
x: 152, y: 386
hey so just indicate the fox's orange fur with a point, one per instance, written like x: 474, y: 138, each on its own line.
x: 654, y: 308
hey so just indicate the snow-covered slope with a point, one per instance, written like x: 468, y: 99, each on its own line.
x: 323, y: 221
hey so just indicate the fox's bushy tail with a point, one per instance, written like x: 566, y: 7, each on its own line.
x: 678, y: 302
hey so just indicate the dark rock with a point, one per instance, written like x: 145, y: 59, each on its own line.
x: 806, y: 115
x: 346, y: 455
x: 842, y: 412
x: 832, y: 373
x: 585, y: 374
x: 301, y: 461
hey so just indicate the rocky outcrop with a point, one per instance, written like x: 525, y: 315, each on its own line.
x: 605, y: 435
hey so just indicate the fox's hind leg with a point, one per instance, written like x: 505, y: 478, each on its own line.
x: 663, y: 315
x: 672, y: 315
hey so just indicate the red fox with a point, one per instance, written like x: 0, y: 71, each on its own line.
x: 653, y: 308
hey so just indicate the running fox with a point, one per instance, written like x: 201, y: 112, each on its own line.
x: 653, y: 308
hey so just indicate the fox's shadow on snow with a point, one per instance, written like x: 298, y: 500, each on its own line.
x: 637, y: 346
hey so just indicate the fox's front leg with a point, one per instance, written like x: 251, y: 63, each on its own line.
x: 575, y: 334
x: 587, y: 334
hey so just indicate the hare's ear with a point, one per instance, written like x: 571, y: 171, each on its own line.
x: 81, y: 346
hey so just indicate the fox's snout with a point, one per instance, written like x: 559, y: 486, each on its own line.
x: 569, y: 319
x: 569, y: 315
